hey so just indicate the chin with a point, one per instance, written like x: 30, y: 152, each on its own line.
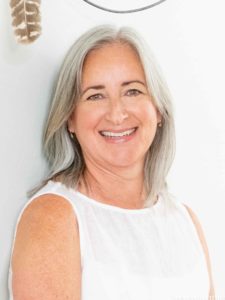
x: 123, y: 161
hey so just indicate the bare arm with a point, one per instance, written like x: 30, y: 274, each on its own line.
x: 46, y: 255
x: 205, y: 249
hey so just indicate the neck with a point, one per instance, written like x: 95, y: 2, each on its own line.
x: 120, y: 187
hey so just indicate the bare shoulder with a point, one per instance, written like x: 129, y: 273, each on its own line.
x: 196, y: 222
x: 202, y: 239
x: 199, y: 228
x: 48, y: 208
x: 46, y: 255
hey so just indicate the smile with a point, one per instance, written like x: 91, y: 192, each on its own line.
x: 111, y: 134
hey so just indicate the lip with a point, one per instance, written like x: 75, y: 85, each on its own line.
x: 119, y: 139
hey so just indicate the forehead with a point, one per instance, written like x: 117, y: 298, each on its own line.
x: 115, y: 59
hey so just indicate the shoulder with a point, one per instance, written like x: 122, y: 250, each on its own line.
x: 48, y: 211
x: 202, y: 239
x: 46, y: 250
x: 195, y: 220
x: 198, y: 226
x: 46, y: 217
x: 48, y: 205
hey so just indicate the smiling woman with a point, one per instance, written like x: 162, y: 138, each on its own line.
x: 115, y: 108
x: 103, y: 224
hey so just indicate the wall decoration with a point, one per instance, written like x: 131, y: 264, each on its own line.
x: 122, y: 6
x: 26, y: 20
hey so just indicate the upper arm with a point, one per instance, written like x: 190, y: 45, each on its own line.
x: 46, y: 255
x: 204, y: 246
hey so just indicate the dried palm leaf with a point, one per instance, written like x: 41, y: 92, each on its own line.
x: 26, y: 20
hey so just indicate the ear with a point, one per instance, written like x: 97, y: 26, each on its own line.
x: 71, y: 123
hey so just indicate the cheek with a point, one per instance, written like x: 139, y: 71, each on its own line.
x: 148, y: 114
x: 85, y: 120
x: 149, y: 122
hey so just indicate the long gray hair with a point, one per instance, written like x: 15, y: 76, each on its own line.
x: 64, y: 154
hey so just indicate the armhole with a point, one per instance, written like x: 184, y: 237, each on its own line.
x: 200, y: 234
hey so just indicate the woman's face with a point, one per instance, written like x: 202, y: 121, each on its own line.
x: 115, y: 120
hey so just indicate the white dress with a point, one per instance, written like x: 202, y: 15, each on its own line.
x: 152, y: 253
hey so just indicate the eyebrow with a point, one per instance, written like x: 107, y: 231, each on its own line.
x: 100, y: 87
x: 133, y: 81
x: 94, y: 87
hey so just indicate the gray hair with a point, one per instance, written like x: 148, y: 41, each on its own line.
x: 64, y: 154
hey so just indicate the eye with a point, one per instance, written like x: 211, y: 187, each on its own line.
x: 133, y: 92
x: 95, y: 97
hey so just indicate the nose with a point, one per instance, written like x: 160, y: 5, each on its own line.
x: 117, y: 112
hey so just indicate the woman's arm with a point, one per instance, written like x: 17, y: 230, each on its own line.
x: 46, y: 256
x: 205, y: 248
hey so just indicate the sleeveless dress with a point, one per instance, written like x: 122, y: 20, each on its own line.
x: 153, y: 253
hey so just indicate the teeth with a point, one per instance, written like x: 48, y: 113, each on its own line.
x: 117, y: 134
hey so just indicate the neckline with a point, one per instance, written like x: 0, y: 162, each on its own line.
x: 110, y: 206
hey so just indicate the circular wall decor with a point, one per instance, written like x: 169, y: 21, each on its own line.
x: 122, y: 7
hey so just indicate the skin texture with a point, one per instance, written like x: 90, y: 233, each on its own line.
x: 114, y: 105
x: 46, y: 256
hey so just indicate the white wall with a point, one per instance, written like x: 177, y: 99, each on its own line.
x: 188, y: 39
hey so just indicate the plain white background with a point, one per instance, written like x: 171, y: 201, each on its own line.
x: 187, y: 37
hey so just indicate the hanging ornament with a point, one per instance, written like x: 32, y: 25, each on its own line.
x: 26, y: 20
x: 102, y: 6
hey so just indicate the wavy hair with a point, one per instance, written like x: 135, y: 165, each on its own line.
x: 64, y: 154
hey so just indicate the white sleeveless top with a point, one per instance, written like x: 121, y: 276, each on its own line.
x: 152, y: 253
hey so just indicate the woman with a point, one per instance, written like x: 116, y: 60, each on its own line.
x: 103, y: 225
